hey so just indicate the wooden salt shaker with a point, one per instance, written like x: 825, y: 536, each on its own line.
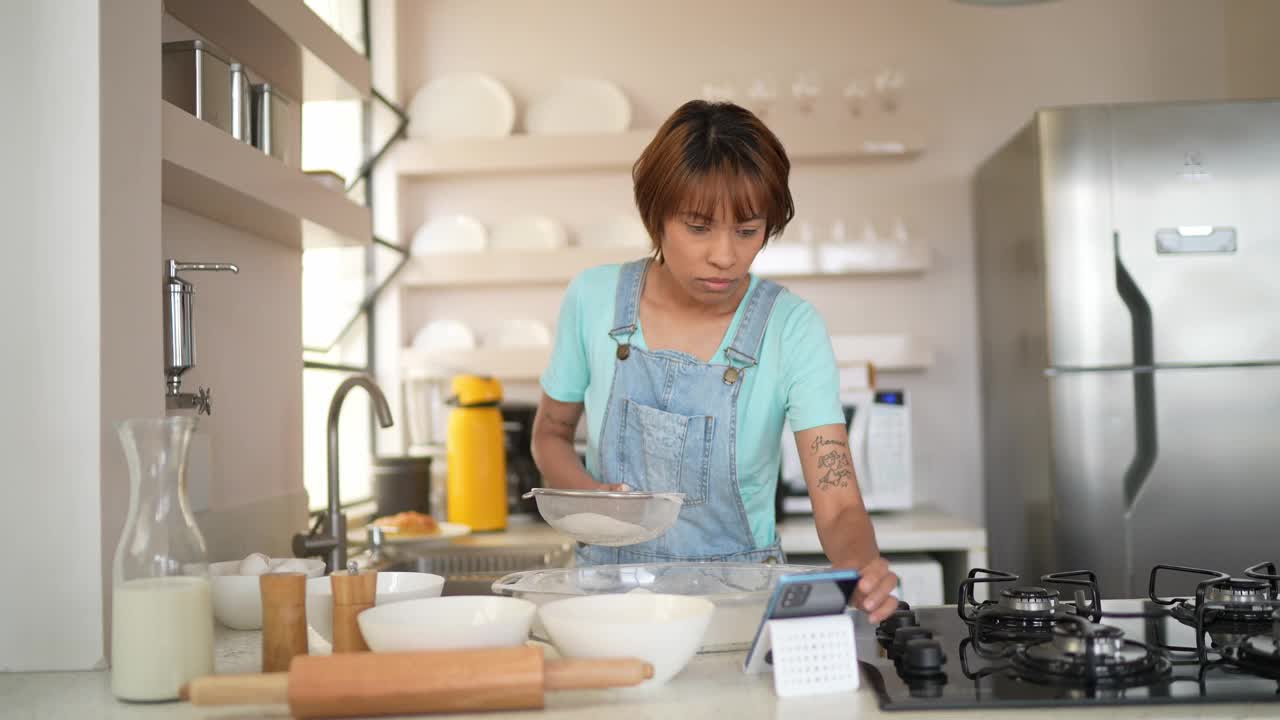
x: 352, y: 594
x: 284, y: 619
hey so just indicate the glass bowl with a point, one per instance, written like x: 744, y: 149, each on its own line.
x: 740, y: 591
x: 614, y: 519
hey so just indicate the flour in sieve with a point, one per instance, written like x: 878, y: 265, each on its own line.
x: 597, y: 528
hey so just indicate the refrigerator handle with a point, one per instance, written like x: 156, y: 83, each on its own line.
x: 1144, y: 384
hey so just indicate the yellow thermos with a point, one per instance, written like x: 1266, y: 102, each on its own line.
x: 477, y: 459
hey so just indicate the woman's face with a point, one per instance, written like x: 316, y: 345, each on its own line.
x: 709, y: 257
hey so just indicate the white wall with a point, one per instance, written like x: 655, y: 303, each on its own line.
x: 973, y: 76
x: 248, y: 334
x: 1252, y: 51
x: 76, y: 309
x: 51, y: 349
x: 80, y: 304
x: 131, y: 317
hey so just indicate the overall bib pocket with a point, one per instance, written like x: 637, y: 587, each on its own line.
x: 666, y: 452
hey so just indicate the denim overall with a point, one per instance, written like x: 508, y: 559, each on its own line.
x: 670, y: 427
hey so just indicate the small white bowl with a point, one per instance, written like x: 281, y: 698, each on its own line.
x: 237, y: 599
x: 445, y: 623
x: 664, y: 630
x: 393, y: 587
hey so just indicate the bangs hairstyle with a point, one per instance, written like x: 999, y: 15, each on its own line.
x: 707, y: 155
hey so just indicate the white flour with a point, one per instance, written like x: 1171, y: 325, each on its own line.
x: 597, y: 529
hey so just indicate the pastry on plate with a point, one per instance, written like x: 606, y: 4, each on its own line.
x: 408, y: 523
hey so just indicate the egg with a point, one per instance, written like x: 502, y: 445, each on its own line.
x: 255, y: 564
x: 289, y: 565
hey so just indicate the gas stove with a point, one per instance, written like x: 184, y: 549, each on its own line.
x: 1056, y: 642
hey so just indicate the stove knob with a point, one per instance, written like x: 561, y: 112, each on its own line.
x: 923, y: 655
x: 904, y: 636
x: 898, y: 620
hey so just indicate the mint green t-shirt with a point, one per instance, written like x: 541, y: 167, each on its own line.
x: 796, y: 380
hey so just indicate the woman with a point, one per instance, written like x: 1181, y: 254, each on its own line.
x: 686, y: 365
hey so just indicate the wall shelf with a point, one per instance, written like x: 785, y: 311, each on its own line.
x: 558, y: 267
x: 567, y: 153
x: 551, y: 267
x: 888, y: 353
x: 210, y: 173
x: 284, y: 42
x: 440, y: 450
x: 506, y: 364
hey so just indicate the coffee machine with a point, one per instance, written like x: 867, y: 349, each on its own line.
x: 522, y: 473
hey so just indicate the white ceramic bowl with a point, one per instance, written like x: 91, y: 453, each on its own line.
x: 393, y: 587
x: 237, y: 599
x: 664, y: 630
x: 444, y: 623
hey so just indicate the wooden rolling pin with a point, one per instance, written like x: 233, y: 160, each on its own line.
x: 370, y: 684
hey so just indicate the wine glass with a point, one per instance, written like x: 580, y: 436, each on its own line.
x: 717, y: 91
x: 855, y: 94
x: 761, y: 94
x: 806, y: 88
x: 888, y: 85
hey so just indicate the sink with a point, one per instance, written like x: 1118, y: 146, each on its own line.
x: 473, y: 570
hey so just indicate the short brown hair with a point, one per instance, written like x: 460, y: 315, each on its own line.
x: 691, y: 161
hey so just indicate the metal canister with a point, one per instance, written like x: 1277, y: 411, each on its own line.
x: 195, y: 78
x: 240, y: 114
x: 276, y: 128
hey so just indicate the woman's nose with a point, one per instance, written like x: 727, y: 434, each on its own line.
x: 722, y: 253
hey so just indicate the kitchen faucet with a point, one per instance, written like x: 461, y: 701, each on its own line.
x: 332, y: 541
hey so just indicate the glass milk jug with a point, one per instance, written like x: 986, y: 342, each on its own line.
x: 161, y: 618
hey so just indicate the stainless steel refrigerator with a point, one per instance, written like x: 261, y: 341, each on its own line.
x: 1129, y: 293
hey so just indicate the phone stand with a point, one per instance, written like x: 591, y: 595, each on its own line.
x: 810, y: 655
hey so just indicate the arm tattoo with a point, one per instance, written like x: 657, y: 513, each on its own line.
x: 838, y: 467
x: 821, y: 442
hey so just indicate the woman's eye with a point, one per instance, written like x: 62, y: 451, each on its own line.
x: 699, y: 229
x: 748, y: 232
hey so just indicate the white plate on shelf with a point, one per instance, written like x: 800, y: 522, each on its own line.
x: 579, y: 106
x: 623, y: 231
x: 519, y: 333
x: 449, y: 234
x: 444, y: 335
x: 533, y: 232
x: 448, y: 531
x: 462, y: 105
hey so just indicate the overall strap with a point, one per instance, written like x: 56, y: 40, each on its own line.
x: 627, y: 301
x: 745, y: 347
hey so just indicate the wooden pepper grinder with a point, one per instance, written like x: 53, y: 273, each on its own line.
x: 353, y: 593
x: 284, y: 619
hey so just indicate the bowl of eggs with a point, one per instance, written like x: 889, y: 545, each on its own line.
x: 237, y: 600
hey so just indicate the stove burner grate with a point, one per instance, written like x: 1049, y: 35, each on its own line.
x: 1083, y: 653
x: 1025, y: 612
x: 1230, y: 611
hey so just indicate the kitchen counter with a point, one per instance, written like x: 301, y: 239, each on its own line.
x: 919, y: 530
x: 956, y: 544
x: 713, y: 686
x: 916, y: 530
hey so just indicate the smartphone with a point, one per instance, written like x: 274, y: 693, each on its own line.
x: 822, y: 592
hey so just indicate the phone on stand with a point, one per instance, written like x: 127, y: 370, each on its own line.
x: 822, y: 592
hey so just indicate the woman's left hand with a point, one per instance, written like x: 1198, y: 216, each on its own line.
x: 874, y: 586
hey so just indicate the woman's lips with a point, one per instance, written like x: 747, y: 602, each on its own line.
x: 716, y: 284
